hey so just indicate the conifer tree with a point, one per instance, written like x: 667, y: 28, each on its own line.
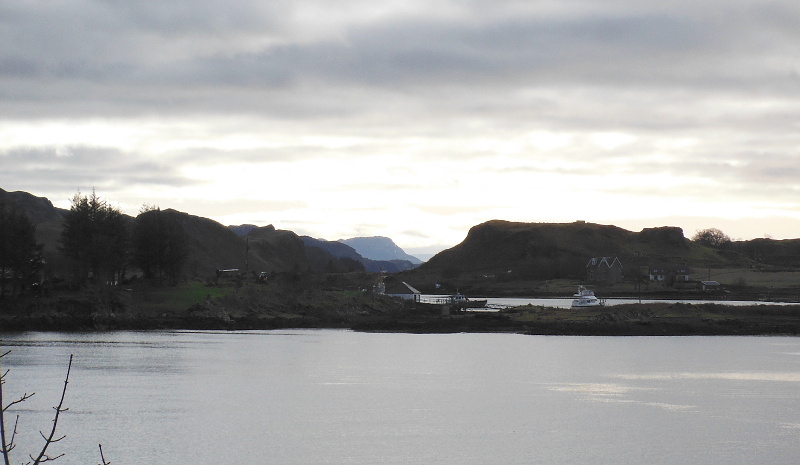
x: 95, y: 237
x: 20, y: 254
x: 159, y: 245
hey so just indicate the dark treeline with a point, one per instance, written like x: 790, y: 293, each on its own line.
x: 100, y: 243
x: 159, y: 245
x: 20, y: 255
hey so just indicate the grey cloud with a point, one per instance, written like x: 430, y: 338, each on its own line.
x: 430, y: 53
x: 119, y: 48
x: 75, y: 167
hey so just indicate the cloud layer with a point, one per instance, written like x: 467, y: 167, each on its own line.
x: 410, y: 119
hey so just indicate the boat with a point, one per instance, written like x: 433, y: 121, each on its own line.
x: 585, y: 298
x: 461, y: 301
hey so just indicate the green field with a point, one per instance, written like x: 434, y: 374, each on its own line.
x: 750, y: 278
x: 182, y: 296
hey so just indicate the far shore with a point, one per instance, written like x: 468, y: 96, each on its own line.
x: 255, y: 310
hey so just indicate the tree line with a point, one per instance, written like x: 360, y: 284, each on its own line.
x: 100, y: 243
x: 20, y: 255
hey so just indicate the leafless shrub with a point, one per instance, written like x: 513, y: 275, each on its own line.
x: 7, y: 443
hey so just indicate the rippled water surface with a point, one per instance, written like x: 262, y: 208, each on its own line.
x: 340, y: 397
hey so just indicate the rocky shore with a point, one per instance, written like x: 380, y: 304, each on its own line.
x: 255, y: 308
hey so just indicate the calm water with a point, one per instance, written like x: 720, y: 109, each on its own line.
x: 566, y: 302
x: 339, y: 397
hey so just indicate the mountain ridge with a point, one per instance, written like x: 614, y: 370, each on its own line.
x: 379, y: 248
x: 506, y: 250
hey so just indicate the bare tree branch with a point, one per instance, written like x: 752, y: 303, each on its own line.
x: 24, y: 397
x: 5, y: 447
x: 43, y: 457
x: 8, y: 446
x: 11, y: 444
x: 102, y: 457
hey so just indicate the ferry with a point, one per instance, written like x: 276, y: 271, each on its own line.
x: 585, y: 298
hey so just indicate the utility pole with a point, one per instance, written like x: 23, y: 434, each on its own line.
x: 246, y: 255
x: 639, y: 276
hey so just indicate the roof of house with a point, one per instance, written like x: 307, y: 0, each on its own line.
x: 597, y: 262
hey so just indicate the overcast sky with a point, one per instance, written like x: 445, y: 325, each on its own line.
x: 410, y: 119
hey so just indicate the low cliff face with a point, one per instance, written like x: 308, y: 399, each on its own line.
x: 666, y: 236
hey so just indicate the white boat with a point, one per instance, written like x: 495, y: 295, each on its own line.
x: 461, y: 301
x: 585, y: 298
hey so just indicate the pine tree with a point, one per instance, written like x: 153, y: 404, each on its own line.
x: 159, y: 245
x: 95, y: 237
x: 20, y: 255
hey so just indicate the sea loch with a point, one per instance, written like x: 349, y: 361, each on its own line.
x: 342, y: 397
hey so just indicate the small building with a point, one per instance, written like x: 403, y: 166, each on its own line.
x: 605, y: 270
x: 404, y: 291
x: 669, y: 274
x: 709, y: 285
x: 658, y: 274
x: 681, y: 274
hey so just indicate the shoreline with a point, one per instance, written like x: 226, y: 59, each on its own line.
x: 681, y: 319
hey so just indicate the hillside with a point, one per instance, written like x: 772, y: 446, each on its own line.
x: 503, y: 251
x: 211, y: 245
x: 278, y: 250
x: 38, y: 209
x: 778, y: 253
x: 492, y: 255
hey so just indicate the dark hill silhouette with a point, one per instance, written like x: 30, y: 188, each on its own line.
x: 779, y: 253
x: 38, y: 209
x: 521, y: 251
x: 213, y: 246
x: 513, y: 251
x: 279, y: 250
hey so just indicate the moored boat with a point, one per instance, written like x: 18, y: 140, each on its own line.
x: 461, y: 301
x: 585, y: 298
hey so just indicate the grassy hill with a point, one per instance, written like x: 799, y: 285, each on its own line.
x: 497, y: 253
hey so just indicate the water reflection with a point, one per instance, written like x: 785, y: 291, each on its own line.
x: 340, y: 397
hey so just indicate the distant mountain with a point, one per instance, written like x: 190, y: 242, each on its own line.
x: 343, y: 251
x: 379, y: 248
